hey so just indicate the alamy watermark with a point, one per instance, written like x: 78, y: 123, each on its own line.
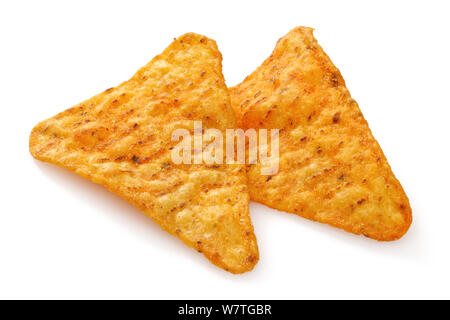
x: 209, y: 145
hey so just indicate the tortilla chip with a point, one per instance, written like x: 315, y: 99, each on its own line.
x: 331, y: 168
x: 121, y: 138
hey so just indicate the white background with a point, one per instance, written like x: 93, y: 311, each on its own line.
x: 64, y: 237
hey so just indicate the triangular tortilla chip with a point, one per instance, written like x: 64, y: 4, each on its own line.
x: 121, y: 139
x: 331, y: 168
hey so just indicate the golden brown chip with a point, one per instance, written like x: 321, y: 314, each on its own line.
x: 332, y: 170
x: 121, y: 139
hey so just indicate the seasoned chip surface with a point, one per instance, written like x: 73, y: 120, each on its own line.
x: 332, y: 170
x: 121, y: 139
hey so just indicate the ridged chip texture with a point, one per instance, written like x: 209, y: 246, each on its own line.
x: 332, y: 170
x: 121, y: 138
